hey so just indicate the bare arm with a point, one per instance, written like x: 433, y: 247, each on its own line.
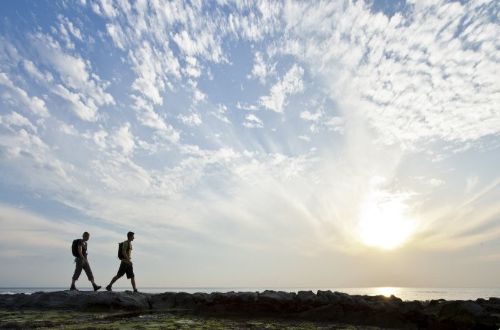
x: 125, y: 253
x: 80, y: 252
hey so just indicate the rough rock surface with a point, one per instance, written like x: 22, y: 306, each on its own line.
x: 387, y: 312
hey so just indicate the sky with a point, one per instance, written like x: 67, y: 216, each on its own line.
x: 251, y: 143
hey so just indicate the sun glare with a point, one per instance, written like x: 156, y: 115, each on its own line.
x: 387, y: 291
x: 384, y: 223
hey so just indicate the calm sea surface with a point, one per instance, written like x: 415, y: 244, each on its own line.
x: 401, y: 292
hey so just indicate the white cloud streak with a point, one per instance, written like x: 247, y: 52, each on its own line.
x: 20, y: 97
x: 290, y: 84
x: 193, y: 119
x: 252, y: 121
x: 82, y: 88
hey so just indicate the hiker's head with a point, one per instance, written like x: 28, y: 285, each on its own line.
x: 86, y: 236
x: 130, y: 236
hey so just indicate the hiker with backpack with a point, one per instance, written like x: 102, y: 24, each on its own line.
x: 79, y: 250
x: 126, y: 267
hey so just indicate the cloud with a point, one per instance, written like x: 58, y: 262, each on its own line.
x: 99, y: 138
x: 308, y: 116
x: 34, y: 72
x: 153, y: 69
x: 9, y: 54
x: 82, y: 88
x: 107, y: 8
x: 117, y: 35
x: 221, y: 113
x: 254, y: 22
x: 67, y: 31
x: 416, y: 76
x: 150, y: 33
x: 68, y: 129
x: 149, y: 118
x: 27, y: 234
x: 25, y: 153
x: 305, y: 138
x: 15, y: 119
x: 436, y: 182
x: 260, y: 69
x: 35, y: 232
x: 204, y: 44
x: 193, y: 119
x: 248, y: 107
x: 290, y: 84
x: 252, y: 121
x: 21, y: 98
x: 124, y: 140
x: 199, y: 96
x: 377, y: 89
x: 84, y: 109
x: 336, y: 124
x: 192, y: 69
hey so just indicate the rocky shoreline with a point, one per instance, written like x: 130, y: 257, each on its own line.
x: 380, y: 311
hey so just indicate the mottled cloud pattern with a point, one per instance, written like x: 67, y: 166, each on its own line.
x: 237, y: 133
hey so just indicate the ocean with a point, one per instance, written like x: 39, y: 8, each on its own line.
x: 404, y: 293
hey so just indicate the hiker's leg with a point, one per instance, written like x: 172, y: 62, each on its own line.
x: 76, y: 274
x: 78, y: 270
x: 88, y: 271
x: 114, y: 280
x: 133, y: 283
x: 121, y: 272
x: 90, y: 276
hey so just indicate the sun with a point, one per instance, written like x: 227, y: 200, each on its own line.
x: 384, y: 222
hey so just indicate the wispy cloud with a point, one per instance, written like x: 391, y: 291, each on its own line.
x: 290, y: 84
x: 252, y: 121
x: 425, y: 74
x: 191, y: 120
x: 18, y: 96
x: 78, y: 85
x: 261, y: 70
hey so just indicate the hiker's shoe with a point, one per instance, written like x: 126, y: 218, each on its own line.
x: 135, y: 291
x: 108, y: 288
x: 73, y: 288
x: 96, y: 287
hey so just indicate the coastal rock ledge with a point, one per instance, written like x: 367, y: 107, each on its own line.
x: 387, y: 312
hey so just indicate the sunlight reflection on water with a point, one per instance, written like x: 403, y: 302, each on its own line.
x: 387, y: 291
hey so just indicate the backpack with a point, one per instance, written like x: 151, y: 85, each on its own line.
x: 74, y: 248
x: 120, y: 251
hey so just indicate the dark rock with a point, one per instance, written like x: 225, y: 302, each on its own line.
x: 306, y: 297
x: 388, y: 312
x: 331, y: 312
x: 163, y: 300
x: 277, y: 296
x: 451, y: 308
x: 78, y: 300
x: 494, y: 301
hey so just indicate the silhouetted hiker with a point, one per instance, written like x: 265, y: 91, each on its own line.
x: 126, y: 267
x: 79, y: 250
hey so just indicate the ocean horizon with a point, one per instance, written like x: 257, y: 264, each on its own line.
x: 405, y: 293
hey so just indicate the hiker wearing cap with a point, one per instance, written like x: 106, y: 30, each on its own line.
x: 79, y: 250
x: 126, y: 266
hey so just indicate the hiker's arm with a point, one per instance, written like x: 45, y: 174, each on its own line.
x: 80, y: 252
x: 124, y: 252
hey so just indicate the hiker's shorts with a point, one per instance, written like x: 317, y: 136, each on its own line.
x: 126, y: 268
x: 78, y: 270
